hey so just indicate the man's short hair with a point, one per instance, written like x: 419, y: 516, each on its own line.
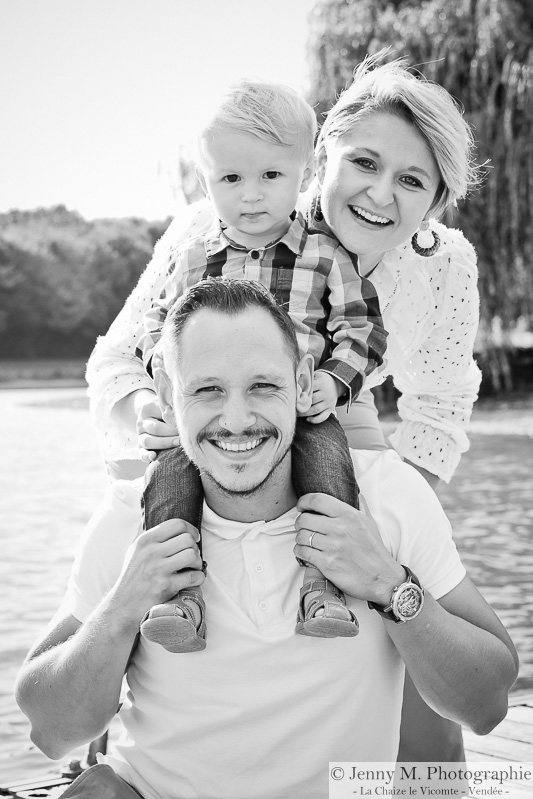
x: 269, y: 111
x: 227, y: 296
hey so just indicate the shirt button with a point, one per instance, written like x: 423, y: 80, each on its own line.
x: 254, y: 254
x: 263, y: 605
x: 259, y: 568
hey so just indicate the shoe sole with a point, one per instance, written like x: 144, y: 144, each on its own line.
x: 174, y: 633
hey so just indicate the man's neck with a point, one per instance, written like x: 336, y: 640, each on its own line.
x: 271, y: 500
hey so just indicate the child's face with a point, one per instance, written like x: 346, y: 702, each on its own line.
x: 252, y: 183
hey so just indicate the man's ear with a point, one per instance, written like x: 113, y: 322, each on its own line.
x: 201, y: 180
x: 163, y: 387
x: 321, y: 160
x: 304, y: 383
x: 309, y: 174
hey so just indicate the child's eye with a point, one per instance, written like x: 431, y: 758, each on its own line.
x: 231, y: 178
x: 272, y: 174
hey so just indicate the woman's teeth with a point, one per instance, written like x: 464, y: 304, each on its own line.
x: 368, y: 217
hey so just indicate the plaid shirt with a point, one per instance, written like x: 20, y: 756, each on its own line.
x: 335, y: 311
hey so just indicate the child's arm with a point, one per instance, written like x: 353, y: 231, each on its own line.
x: 355, y: 325
x: 116, y: 377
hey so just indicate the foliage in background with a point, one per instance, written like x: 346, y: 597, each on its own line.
x: 64, y: 279
x: 482, y: 52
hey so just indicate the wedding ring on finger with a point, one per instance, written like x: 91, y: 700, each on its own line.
x: 312, y: 535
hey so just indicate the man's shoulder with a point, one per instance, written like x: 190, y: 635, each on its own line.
x: 385, y: 478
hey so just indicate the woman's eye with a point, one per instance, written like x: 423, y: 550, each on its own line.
x: 272, y: 175
x: 364, y: 162
x: 411, y: 181
x: 231, y: 178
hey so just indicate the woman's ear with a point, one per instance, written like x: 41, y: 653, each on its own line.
x: 321, y: 160
x: 304, y: 383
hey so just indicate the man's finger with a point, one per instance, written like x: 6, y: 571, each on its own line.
x: 170, y: 528
x: 321, y: 503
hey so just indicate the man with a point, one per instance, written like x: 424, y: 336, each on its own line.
x: 261, y: 711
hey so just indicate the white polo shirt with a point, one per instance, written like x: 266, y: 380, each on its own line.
x: 261, y: 711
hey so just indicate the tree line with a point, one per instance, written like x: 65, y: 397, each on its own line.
x: 63, y: 279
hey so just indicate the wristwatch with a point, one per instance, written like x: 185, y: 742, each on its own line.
x: 406, y: 601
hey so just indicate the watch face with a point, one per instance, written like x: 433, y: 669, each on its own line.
x: 408, y: 602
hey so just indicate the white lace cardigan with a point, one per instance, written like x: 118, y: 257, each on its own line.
x: 430, y: 306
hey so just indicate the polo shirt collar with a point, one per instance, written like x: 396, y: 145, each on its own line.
x: 295, y: 238
x: 228, y: 529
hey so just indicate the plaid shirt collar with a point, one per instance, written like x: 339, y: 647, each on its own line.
x: 295, y: 238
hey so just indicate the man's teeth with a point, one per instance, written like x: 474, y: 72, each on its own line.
x: 378, y: 220
x: 238, y: 447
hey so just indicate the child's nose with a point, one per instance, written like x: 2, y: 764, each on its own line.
x: 252, y: 193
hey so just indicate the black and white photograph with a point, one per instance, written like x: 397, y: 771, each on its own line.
x: 266, y: 399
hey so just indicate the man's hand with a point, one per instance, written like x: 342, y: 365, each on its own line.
x: 326, y: 392
x: 161, y: 562
x: 154, y: 433
x: 347, y: 548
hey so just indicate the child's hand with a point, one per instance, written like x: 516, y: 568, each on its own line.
x: 154, y: 433
x: 326, y: 391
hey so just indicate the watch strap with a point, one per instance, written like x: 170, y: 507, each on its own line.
x: 388, y: 612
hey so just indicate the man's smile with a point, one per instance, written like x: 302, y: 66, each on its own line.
x: 232, y: 446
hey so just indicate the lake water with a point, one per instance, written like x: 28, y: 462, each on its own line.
x: 51, y: 478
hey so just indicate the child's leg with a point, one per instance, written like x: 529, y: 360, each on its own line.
x: 322, y: 463
x: 173, y: 490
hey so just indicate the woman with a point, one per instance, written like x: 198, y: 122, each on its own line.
x: 393, y: 154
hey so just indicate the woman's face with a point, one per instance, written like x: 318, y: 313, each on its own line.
x: 378, y: 182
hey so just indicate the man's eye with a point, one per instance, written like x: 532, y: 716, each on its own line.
x: 231, y: 178
x: 207, y: 389
x: 272, y: 174
x: 264, y: 385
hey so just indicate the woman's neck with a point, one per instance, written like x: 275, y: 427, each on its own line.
x: 367, y: 263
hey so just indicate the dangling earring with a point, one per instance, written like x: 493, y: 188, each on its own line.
x: 425, y: 241
x: 317, y: 210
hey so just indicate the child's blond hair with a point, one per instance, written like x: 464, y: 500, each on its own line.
x: 269, y: 111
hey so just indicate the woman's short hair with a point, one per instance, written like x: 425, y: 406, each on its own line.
x: 269, y: 111
x: 391, y: 88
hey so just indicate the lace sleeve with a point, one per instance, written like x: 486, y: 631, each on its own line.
x: 440, y: 382
x: 113, y: 370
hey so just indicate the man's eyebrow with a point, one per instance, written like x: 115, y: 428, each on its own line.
x: 261, y: 377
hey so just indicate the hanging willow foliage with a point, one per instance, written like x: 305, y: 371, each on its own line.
x: 482, y: 52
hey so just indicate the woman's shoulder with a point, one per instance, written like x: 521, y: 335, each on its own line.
x: 454, y: 246
x: 454, y: 253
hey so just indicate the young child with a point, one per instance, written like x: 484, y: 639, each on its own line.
x: 255, y: 155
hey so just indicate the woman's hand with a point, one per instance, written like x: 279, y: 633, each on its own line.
x: 154, y: 433
x: 326, y: 392
x: 346, y: 547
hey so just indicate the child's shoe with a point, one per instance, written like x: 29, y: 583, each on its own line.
x: 174, y: 625
x: 336, y: 619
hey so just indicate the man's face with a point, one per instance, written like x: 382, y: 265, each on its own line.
x: 235, y: 395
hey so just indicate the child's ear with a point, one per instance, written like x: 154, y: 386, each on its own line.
x: 201, y: 179
x: 309, y: 174
x: 321, y: 160
x: 163, y: 387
